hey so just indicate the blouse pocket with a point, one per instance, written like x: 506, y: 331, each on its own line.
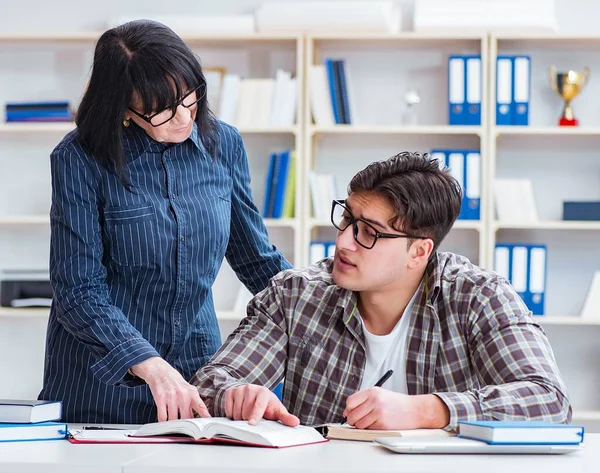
x: 131, y: 234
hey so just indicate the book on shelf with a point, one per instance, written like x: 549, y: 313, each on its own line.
x: 255, y: 102
x: 266, y: 433
x: 508, y: 432
x: 24, y: 411
x: 280, y: 186
x: 515, y: 201
x: 30, y: 432
x: 591, y: 305
x: 349, y: 432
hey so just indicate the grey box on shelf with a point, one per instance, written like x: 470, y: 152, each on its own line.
x: 588, y: 211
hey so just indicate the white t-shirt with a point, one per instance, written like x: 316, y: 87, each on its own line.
x: 388, y: 352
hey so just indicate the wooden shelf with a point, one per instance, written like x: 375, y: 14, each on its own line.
x: 75, y: 37
x: 6, y: 312
x: 593, y: 415
x: 25, y: 220
x: 92, y: 36
x: 281, y: 222
x: 48, y: 127
x: 292, y: 130
x: 545, y: 131
x: 458, y: 225
x: 396, y: 130
x: 406, y: 37
x: 550, y: 225
x: 565, y: 320
x: 227, y: 315
x: 65, y: 127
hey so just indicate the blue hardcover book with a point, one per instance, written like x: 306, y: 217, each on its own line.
x: 280, y: 182
x: 510, y: 261
x: 473, y: 89
x: 496, y: 432
x: 269, y: 187
x: 37, y: 105
x: 341, y: 68
x: 504, y: 90
x: 31, y: 432
x: 334, y: 90
x: 471, y: 208
x: 18, y: 411
x: 455, y: 160
x: 536, y: 284
x: 521, y: 90
x: 457, y: 113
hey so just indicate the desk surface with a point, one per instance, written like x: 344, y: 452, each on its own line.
x: 332, y: 457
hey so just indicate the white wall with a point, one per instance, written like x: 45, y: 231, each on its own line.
x: 76, y: 15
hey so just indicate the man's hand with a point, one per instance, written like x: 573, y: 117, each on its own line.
x: 173, y: 396
x: 378, y: 408
x: 252, y: 403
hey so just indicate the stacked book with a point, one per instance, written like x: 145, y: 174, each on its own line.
x: 253, y: 102
x: 331, y: 96
x: 31, y: 420
x: 280, y: 186
x: 38, y: 112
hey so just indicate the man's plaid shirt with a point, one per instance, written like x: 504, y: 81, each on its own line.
x: 473, y: 343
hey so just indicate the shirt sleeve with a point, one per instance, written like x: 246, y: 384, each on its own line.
x: 82, y: 303
x: 249, y: 252
x: 514, y: 362
x: 255, y: 353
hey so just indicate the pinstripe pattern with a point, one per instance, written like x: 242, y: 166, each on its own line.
x: 472, y: 342
x: 132, y: 271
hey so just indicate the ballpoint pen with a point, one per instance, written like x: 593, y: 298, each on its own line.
x: 384, y: 378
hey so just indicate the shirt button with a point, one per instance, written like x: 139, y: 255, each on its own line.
x: 177, y: 323
x: 172, y: 196
x: 182, y: 238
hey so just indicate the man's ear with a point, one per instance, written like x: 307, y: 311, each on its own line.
x: 419, y: 253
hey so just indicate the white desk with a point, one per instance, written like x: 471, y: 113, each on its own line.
x: 339, y: 456
x: 333, y: 457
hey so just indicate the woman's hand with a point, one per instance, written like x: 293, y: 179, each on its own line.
x: 173, y: 396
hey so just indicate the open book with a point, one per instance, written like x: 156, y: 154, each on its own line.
x: 266, y: 433
x: 209, y: 430
x: 349, y: 432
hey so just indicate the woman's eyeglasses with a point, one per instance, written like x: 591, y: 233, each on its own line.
x: 188, y: 100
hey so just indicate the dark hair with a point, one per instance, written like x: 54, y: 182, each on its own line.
x: 146, y: 57
x: 425, y: 197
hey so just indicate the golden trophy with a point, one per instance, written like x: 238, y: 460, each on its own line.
x: 568, y: 85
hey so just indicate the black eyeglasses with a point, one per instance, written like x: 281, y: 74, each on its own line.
x: 162, y: 117
x: 365, y: 234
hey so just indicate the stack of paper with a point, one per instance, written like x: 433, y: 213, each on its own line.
x: 365, y: 16
x: 189, y: 25
x: 485, y: 15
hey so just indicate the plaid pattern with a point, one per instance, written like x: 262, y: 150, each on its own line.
x: 473, y: 343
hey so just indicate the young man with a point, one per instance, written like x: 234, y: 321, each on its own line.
x: 460, y: 342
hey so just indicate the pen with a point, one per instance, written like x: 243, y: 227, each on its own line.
x: 384, y: 378
x: 99, y: 427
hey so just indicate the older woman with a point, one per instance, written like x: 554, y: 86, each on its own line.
x: 149, y: 194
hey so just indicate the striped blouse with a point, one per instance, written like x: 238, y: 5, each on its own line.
x: 132, y: 271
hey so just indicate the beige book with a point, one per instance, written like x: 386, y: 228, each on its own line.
x: 349, y: 432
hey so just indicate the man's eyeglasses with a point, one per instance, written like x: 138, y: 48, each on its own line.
x: 188, y: 100
x: 365, y: 234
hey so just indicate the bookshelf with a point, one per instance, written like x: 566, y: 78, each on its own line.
x: 562, y: 162
x: 392, y: 65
